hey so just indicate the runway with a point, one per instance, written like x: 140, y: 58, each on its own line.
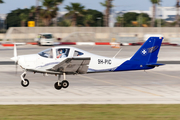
x: 158, y: 86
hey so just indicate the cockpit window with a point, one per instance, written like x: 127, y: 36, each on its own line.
x: 62, y: 52
x: 77, y: 53
x: 48, y: 53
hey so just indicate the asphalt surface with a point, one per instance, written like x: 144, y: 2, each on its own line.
x: 158, y: 86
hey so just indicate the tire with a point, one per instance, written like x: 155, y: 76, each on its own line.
x: 57, y: 87
x: 26, y: 83
x: 65, y: 84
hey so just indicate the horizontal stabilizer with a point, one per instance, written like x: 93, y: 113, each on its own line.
x: 154, y: 64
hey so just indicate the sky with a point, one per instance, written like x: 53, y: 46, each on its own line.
x: 120, y: 5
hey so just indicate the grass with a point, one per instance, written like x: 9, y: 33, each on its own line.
x: 90, y: 112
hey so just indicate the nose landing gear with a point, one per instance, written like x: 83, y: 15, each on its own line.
x: 58, y: 85
x: 24, y: 82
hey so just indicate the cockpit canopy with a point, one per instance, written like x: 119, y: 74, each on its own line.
x: 60, y: 52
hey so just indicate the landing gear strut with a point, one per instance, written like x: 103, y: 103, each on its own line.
x: 64, y: 84
x: 24, y: 82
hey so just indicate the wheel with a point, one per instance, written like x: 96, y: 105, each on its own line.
x: 25, y: 83
x: 58, y: 86
x: 65, y: 83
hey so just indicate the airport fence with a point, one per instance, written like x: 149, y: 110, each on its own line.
x: 91, y: 34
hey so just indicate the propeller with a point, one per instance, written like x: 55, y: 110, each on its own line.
x: 15, y: 58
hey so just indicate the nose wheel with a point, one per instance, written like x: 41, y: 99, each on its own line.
x: 64, y: 84
x: 24, y: 82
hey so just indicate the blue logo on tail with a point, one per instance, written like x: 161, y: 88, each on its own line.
x: 153, y: 49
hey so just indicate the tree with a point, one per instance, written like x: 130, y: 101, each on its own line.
x: 120, y: 21
x: 24, y: 18
x: 88, y: 19
x: 177, y: 16
x: 129, y: 18
x: 1, y: 1
x: 65, y: 23
x: 136, y: 18
x: 154, y: 2
x: 74, y: 10
x: 14, y: 20
x: 50, y: 12
x: 97, y: 18
x: 143, y: 19
x: 108, y: 6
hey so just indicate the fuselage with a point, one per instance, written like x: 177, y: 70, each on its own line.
x: 43, y: 62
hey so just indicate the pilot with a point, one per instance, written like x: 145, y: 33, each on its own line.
x: 61, y: 54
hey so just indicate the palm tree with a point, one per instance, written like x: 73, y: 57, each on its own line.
x: 108, y: 6
x: 177, y: 16
x: 154, y: 2
x: 75, y: 10
x: 51, y: 10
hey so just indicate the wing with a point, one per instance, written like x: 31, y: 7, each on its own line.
x: 72, y: 66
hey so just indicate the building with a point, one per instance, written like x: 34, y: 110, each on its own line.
x: 166, y: 13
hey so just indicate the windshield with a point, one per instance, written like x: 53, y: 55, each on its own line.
x: 47, y: 36
x: 46, y: 53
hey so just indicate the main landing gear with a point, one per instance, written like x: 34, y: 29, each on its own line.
x: 64, y: 84
x: 58, y: 85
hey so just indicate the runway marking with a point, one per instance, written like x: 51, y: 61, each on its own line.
x: 120, y: 86
x: 165, y: 75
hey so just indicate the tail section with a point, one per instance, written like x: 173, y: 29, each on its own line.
x: 148, y: 53
x: 145, y: 58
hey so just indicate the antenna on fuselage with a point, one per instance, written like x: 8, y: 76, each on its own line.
x: 117, y: 53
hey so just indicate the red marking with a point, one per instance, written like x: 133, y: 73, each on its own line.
x: 102, y: 43
x: 67, y: 43
x: 166, y: 43
x: 8, y: 45
x: 31, y: 43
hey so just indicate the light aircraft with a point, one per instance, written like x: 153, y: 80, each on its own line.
x: 64, y: 60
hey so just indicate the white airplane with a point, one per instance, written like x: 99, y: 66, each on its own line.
x: 64, y: 60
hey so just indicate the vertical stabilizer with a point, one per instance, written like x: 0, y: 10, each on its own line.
x: 148, y: 53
